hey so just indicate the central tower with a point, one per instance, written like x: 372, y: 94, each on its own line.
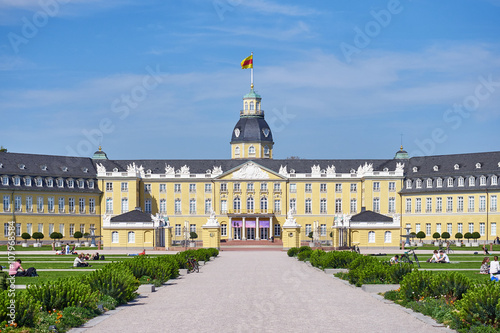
x: 252, y: 137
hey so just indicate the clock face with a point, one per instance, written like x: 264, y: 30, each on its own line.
x: 237, y: 132
x: 265, y: 131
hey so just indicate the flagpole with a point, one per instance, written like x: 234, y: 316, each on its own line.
x: 251, y: 73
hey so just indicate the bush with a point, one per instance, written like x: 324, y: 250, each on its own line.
x: 37, y: 235
x: 468, y: 236
x: 420, y: 235
x: 213, y: 252
x: 107, y: 302
x: 415, y: 285
x: 292, y: 252
x: 193, y: 235
x: 304, y: 248
x: 77, y: 235
x: 26, y: 308
x: 315, y: 258
x: 76, y: 316
x: 396, y: 273
x: 475, y: 235
x: 436, y: 235
x: 25, y: 236
x: 459, y: 235
x: 338, y: 259
x: 304, y: 255
x: 445, y: 235
x: 452, y: 286
x: 480, y: 306
x: 114, y: 281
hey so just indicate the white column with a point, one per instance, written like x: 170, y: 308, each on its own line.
x: 230, y: 229
x: 243, y: 231
x: 257, y: 230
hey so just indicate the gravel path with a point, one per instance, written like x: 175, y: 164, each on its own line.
x: 258, y: 292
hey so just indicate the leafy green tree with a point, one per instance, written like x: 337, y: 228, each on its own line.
x: 420, y: 235
x: 25, y: 236
x: 445, y: 235
x: 468, y: 236
x: 436, y: 236
x: 475, y: 235
x: 459, y: 235
x: 193, y: 235
x: 78, y: 235
x: 37, y: 235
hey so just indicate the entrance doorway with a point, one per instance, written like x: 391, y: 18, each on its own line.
x: 250, y: 233
x: 264, y: 233
x: 237, y: 233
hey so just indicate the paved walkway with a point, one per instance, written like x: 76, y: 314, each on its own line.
x: 258, y: 292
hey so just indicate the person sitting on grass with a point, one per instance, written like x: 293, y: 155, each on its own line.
x: 96, y: 256
x: 16, y: 269
x: 142, y: 253
x: 494, y: 269
x: 394, y: 260
x: 485, y: 250
x: 485, y: 266
x: 434, y: 257
x: 443, y: 258
x: 78, y: 262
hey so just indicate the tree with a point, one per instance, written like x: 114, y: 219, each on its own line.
x: 445, y: 235
x: 78, y: 235
x: 193, y: 235
x: 421, y: 235
x: 37, y: 235
x: 436, y: 236
x: 311, y: 235
x: 25, y: 236
x: 468, y: 236
x: 3, y: 150
x: 56, y: 235
x: 475, y: 236
x: 86, y: 236
x: 459, y: 235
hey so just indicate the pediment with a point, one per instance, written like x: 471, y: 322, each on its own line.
x: 250, y: 170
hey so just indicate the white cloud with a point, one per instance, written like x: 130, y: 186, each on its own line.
x: 269, y: 8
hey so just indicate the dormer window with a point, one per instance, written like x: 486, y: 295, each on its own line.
x: 461, y: 181
x: 472, y: 181
x: 494, y: 180
x: 353, y: 171
x: 115, y: 169
x: 435, y: 168
x: 64, y: 169
x: 148, y: 171
x: 17, y: 181
x: 482, y: 181
x: 266, y: 150
x: 22, y: 166
x: 1, y: 165
x: 450, y: 182
x: 5, y: 180
x: 429, y: 183
x: 50, y: 182
x: 456, y: 167
x: 91, y: 183
x: 27, y: 181
x: 80, y: 183
x: 418, y: 183
x: 86, y: 170
x: 39, y: 181
x: 439, y: 182
x: 408, y: 183
x: 43, y: 167
x: 251, y: 150
x: 385, y: 169
x: 71, y: 183
x: 251, y: 106
x: 246, y: 105
x: 60, y: 182
x: 415, y: 169
x: 237, y: 151
x: 478, y: 165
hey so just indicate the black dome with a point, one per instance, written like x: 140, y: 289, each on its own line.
x: 252, y: 129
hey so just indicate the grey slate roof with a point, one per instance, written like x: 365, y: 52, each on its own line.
x: 370, y: 216
x: 133, y: 216
x: 251, y: 130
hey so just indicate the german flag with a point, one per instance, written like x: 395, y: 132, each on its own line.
x: 247, y: 62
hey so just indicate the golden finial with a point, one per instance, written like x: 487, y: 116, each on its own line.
x: 401, y: 147
x: 251, y: 86
x: 100, y: 148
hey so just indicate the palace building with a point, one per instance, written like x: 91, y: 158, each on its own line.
x: 251, y: 196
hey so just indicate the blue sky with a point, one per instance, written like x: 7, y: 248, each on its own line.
x: 161, y: 79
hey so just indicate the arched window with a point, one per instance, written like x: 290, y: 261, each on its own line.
x: 482, y: 181
x: 450, y: 182
x: 237, y: 150
x: 250, y: 203
x: 461, y: 181
x: 371, y: 236
x: 472, y: 181
x: 429, y: 182
x: 266, y: 150
x: 419, y: 183
x: 237, y: 204
x: 257, y: 107
x: 263, y: 204
x: 251, y: 105
x: 387, y: 237
x: 251, y: 150
x: 131, y: 237
x: 246, y: 105
x: 494, y: 180
x: 114, y: 237
x: 439, y: 182
x: 408, y: 183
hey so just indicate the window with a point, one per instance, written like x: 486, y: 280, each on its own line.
x: 29, y: 228
x: 438, y: 228
x: 223, y: 187
x: 293, y: 205
x: 60, y: 182
x: 439, y: 182
x: 177, y: 188
x: 493, y: 203
x: 27, y: 181
x: 277, y: 230
x: 417, y: 228
x: 460, y: 181
x: 251, y: 150
x: 387, y: 237
x: 82, y: 228
x: 237, y: 150
x: 449, y: 204
x: 408, y: 183
x: 163, y: 188
x: 109, y: 187
x: 192, y: 228
x: 237, y: 204
x: 177, y: 229
x: 338, y: 205
x: 376, y: 205
x: 29, y: 203
x: 429, y: 183
x: 293, y: 188
x: 17, y: 181
x: 131, y: 237
x: 147, y: 188
x: 460, y: 204
x: 39, y: 203
x: 124, y: 187
x: 51, y: 228
x: 192, y: 188
x: 61, y: 229
x: 322, y: 206
x: 6, y: 229
x: 450, y: 182
x: 61, y: 204
x: 263, y: 187
x: 408, y: 205
x: 471, y: 227
x: 322, y: 188
x: 81, y: 205
x: 223, y: 207
x: 124, y: 205
x: 354, y: 206
x: 376, y: 186
x: 114, y: 237
x: 277, y: 187
x: 439, y: 204
x: 427, y: 229
x: 308, y: 207
x: 40, y: 227
x: 472, y: 181
x: 109, y: 205
x: 18, y: 229
x: 482, y: 181
x: 418, y: 205
x: 371, y: 236
x: 338, y: 188
x: 494, y: 180
x: 308, y: 187
x: 418, y: 183
x: 50, y: 204
x: 250, y: 204
x: 392, y: 186
x: 482, y: 229
x: 92, y: 205
x: 237, y: 187
x: 163, y: 206
x: 354, y: 187
x: 223, y: 229
x: 460, y: 227
x: 5, y: 180
x: 428, y: 205
x: 177, y: 206
x: 208, y: 206
x: 392, y: 205
x: 263, y: 205
x: 208, y: 188
x: 147, y: 206
x: 250, y: 187
x: 251, y: 105
x: 277, y: 206
x: 192, y: 206
x: 266, y: 150
x: 471, y: 204
x: 39, y: 182
x: 322, y: 230
x: 308, y: 229
x: 71, y: 230
x: 18, y: 205
x: 449, y: 228
x: 482, y: 203
x: 494, y: 229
